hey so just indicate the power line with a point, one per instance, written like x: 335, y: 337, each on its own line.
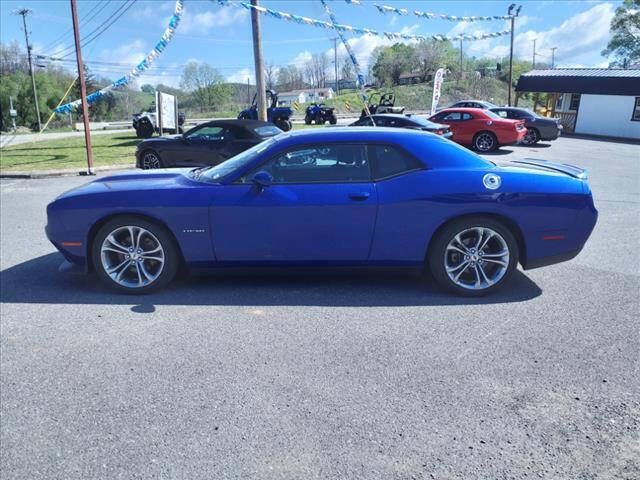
x: 69, y: 31
x: 100, y: 29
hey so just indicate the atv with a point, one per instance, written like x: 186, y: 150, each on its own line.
x: 279, y: 116
x: 320, y: 114
x: 145, y: 124
x: 386, y: 104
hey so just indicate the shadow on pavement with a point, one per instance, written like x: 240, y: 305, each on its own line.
x: 38, y: 281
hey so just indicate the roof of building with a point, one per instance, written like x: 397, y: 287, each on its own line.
x: 599, y: 81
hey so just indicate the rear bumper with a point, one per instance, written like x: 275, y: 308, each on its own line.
x: 551, y: 260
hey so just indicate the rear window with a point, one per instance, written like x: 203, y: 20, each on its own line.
x: 492, y: 114
x: 388, y: 161
x: 267, y: 131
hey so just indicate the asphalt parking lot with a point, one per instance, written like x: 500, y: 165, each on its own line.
x: 368, y: 375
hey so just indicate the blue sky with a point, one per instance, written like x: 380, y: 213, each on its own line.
x: 221, y: 36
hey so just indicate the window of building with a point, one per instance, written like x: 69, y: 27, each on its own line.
x: 636, y: 110
x: 575, y: 101
x: 559, y: 101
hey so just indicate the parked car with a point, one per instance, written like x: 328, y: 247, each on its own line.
x: 473, y: 104
x: 538, y: 128
x: 404, y: 121
x: 481, y: 129
x: 206, y: 144
x: 329, y: 197
x: 279, y: 116
x: 145, y: 124
x: 319, y: 113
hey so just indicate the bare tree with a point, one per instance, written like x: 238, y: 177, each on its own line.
x: 347, y: 69
x: 270, y: 75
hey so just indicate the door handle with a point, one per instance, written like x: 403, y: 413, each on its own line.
x: 359, y: 195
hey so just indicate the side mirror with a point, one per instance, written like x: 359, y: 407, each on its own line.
x: 262, y: 179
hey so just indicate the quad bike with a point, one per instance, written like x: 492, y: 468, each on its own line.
x: 386, y: 104
x: 279, y: 116
x: 320, y: 114
x: 145, y: 123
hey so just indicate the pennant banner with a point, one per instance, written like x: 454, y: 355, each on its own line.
x: 418, y: 13
x: 363, y: 31
x: 138, y: 69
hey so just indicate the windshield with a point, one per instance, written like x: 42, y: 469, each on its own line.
x: 218, y: 172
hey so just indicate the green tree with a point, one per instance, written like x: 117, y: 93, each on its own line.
x: 147, y: 88
x: 391, y: 62
x: 205, y: 85
x: 624, y: 44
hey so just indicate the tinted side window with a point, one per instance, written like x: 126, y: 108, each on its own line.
x: 387, y: 161
x: 364, y: 122
x: 319, y: 164
x: 502, y: 113
x: 467, y: 116
x: 451, y: 117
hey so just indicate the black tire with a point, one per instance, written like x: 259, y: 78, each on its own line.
x: 333, y: 119
x: 485, y: 142
x: 438, y: 256
x: 164, y: 275
x: 531, y: 137
x: 150, y: 159
x: 283, y: 124
x: 307, y: 120
x: 145, y: 129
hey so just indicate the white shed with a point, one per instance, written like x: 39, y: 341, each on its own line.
x: 592, y: 101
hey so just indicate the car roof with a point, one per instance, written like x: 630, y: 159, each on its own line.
x: 345, y: 133
x: 462, y: 109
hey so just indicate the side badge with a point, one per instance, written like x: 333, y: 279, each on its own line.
x: 491, y: 181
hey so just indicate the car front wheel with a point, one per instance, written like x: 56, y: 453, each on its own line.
x: 150, y: 159
x: 473, y: 256
x: 485, y: 142
x: 133, y: 255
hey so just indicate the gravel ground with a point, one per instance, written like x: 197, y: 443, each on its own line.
x: 367, y: 375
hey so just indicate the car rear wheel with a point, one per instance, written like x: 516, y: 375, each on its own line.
x: 133, y: 255
x: 150, y: 160
x: 531, y: 137
x: 307, y: 120
x: 473, y: 256
x: 485, y: 142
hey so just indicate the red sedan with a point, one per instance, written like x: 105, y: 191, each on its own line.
x: 481, y: 129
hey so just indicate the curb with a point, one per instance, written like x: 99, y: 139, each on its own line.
x: 63, y: 173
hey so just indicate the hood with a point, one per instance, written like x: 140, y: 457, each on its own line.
x: 133, y: 180
x: 165, y: 138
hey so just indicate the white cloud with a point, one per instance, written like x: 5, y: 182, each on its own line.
x: 203, y: 22
x: 577, y: 38
x: 132, y: 53
x: 300, y: 59
x: 241, y: 76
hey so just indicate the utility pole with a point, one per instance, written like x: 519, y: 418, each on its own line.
x: 553, y: 57
x: 513, y: 26
x: 259, y: 62
x: 335, y: 61
x: 83, y: 88
x: 461, y: 66
x: 534, y: 53
x: 24, y: 12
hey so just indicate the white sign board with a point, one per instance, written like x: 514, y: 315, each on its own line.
x: 166, y: 111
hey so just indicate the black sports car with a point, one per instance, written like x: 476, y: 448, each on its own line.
x: 404, y: 121
x: 210, y: 143
x: 538, y: 128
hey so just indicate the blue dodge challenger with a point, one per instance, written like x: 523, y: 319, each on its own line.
x: 334, y: 197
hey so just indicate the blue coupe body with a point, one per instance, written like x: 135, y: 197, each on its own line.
x: 369, y: 196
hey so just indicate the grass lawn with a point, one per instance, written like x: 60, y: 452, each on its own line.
x: 114, y: 149
x: 118, y: 148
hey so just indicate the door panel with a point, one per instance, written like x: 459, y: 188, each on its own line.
x: 294, y: 222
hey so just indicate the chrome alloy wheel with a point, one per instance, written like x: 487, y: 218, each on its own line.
x: 132, y: 256
x: 150, y: 160
x: 476, y: 258
x: 484, y: 142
